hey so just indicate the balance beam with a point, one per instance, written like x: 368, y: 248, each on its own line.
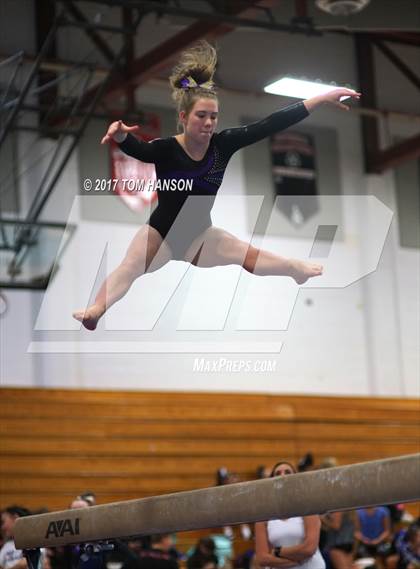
x: 348, y: 487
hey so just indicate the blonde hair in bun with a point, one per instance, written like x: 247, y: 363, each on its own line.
x: 192, y: 78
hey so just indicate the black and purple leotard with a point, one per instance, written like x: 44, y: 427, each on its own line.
x: 177, y: 218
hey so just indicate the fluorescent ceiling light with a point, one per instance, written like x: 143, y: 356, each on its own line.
x: 299, y: 89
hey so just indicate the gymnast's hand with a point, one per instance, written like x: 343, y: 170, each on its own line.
x: 118, y: 131
x: 335, y: 97
x: 332, y: 97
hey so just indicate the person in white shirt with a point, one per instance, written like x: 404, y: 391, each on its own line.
x: 291, y: 542
x: 10, y: 557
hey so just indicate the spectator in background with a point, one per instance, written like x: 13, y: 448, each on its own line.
x: 89, y: 497
x: 159, y: 555
x: 339, y: 539
x: 68, y: 556
x: 399, y: 514
x: 306, y: 463
x: 328, y: 462
x: 263, y: 472
x: 123, y: 555
x: 204, y: 555
x: 78, y: 503
x: 289, y: 542
x: 407, y: 548
x: 10, y: 557
x: 225, y: 477
x: 373, y: 531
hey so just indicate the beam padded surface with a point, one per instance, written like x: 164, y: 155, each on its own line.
x: 372, y: 483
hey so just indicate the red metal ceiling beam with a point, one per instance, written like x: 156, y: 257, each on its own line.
x: 407, y: 38
x: 399, y: 63
x: 377, y: 160
x: 367, y: 84
x: 44, y: 19
x: 159, y: 58
x: 128, y: 21
x: 150, y: 64
x: 397, y: 154
x: 301, y: 9
x: 97, y: 40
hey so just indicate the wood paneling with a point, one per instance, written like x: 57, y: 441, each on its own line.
x: 56, y: 443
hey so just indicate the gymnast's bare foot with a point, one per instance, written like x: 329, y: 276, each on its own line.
x: 89, y: 317
x: 301, y: 271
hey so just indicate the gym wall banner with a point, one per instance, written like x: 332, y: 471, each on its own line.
x: 294, y: 175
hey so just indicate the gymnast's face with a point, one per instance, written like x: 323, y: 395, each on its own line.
x: 201, y: 121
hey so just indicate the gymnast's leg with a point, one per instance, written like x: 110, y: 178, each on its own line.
x: 218, y: 247
x: 147, y: 252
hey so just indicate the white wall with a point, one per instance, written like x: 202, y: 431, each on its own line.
x: 360, y: 339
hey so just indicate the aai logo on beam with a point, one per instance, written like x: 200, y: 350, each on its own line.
x: 63, y: 527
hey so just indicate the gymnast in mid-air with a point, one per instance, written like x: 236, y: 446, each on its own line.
x: 180, y: 227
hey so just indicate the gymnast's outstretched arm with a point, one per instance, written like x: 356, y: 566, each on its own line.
x: 233, y: 139
x: 122, y: 134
